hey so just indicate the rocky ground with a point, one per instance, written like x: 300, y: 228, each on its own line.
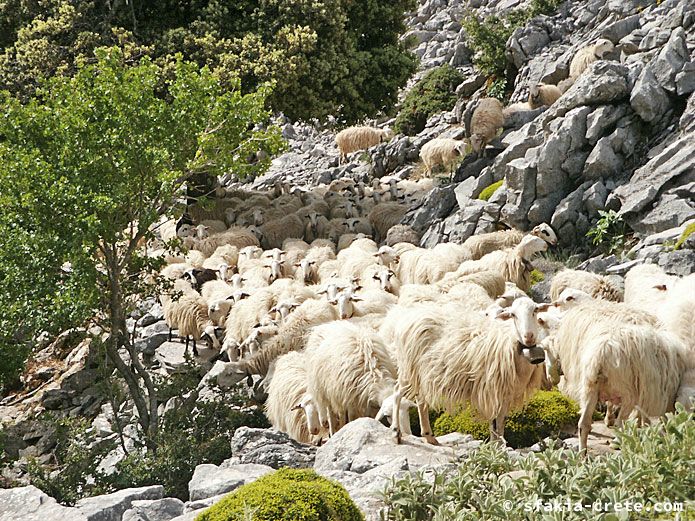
x: 622, y: 138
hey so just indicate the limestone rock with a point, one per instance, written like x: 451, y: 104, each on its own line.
x: 269, y: 447
x: 31, y: 504
x: 154, y: 510
x: 111, y: 507
x: 210, y: 480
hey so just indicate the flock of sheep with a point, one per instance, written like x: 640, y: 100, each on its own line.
x: 290, y: 286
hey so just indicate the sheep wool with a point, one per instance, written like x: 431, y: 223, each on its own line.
x: 588, y: 55
x: 597, y: 286
x: 487, y: 119
x: 353, y: 139
x: 442, y: 152
x: 543, y: 95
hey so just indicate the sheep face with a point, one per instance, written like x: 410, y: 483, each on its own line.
x: 603, y: 47
x: 524, y: 313
x: 384, y: 277
x: 570, y: 298
x: 530, y: 245
x: 311, y: 412
x: 344, y: 304
x: 546, y: 233
x: 284, y: 308
x: 308, y: 268
x: 331, y: 291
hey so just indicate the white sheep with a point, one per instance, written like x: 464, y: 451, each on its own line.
x: 543, y: 95
x: 353, y: 139
x: 189, y: 314
x: 587, y: 55
x: 595, y: 285
x: 492, y: 365
x: 378, y: 276
x: 234, y: 236
x: 487, y: 119
x: 308, y: 267
x: 485, y: 243
x: 350, y: 305
x: 442, y: 152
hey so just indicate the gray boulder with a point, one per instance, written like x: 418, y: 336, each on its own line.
x: 211, y: 480
x: 31, y: 504
x: 648, y: 98
x: 154, y: 510
x: 269, y: 447
x: 111, y: 507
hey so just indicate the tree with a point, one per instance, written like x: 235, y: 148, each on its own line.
x: 87, y: 167
x: 327, y: 57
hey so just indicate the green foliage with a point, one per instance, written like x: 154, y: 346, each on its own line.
x: 286, y: 495
x: 86, y: 166
x: 689, y: 230
x: 498, y: 89
x: 489, y: 190
x: 488, y: 37
x: 544, y: 415
x: 609, y: 231
x: 536, y: 277
x: 654, y: 464
x: 326, y: 56
x: 435, y: 92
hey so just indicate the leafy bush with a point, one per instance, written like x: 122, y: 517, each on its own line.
x: 489, y: 190
x: 536, y: 277
x: 689, y: 230
x: 488, y: 38
x: 609, y: 231
x: 654, y: 464
x: 286, y: 495
x: 434, y: 93
x: 544, y: 415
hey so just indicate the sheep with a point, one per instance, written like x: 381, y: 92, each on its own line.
x: 195, y: 258
x: 275, y: 232
x: 410, y: 294
x: 490, y: 364
x: 234, y: 236
x: 214, y: 225
x: 175, y: 271
x: 487, y: 119
x: 485, y: 243
x: 402, y: 233
x: 442, y: 152
x: 227, y: 254
x: 636, y: 366
x: 385, y: 215
x: 289, y: 408
x: 491, y: 281
x: 189, y: 314
x: 595, y: 285
x: 350, y: 372
x: 328, y: 270
x: 646, y: 286
x: 372, y: 301
x: 321, y: 243
x: 317, y: 227
x: 353, y: 139
x: 587, y: 55
x: 542, y: 94
x: 308, y: 267
x: 198, y: 277
x: 378, y: 276
x: 359, y: 225
x: 513, y: 263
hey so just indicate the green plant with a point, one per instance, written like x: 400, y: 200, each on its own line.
x: 488, y: 191
x: 488, y: 37
x: 435, y: 92
x: 536, y: 277
x: 287, y: 495
x: 544, y: 415
x: 689, y: 230
x: 497, y: 89
x: 653, y: 464
x: 608, y: 232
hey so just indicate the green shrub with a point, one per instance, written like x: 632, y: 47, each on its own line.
x: 286, y: 495
x: 489, y: 190
x: 488, y: 38
x: 536, y: 277
x: 544, y: 415
x: 689, y: 230
x: 609, y: 232
x: 654, y: 463
x: 434, y: 93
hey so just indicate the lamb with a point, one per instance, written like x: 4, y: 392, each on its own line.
x: 490, y: 364
x: 485, y: 243
x: 353, y: 139
x: 487, y: 119
x: 636, y: 366
x: 542, y: 94
x: 275, y: 232
x: 442, y: 152
x: 595, y: 285
x: 350, y: 372
x: 289, y: 408
x: 587, y: 55
x: 513, y: 263
x: 402, y: 233
x: 385, y: 215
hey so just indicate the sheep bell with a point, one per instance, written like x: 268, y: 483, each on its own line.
x: 535, y: 354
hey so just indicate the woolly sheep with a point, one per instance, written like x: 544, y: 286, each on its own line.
x: 227, y: 254
x: 543, y: 95
x: 646, y: 286
x: 636, y: 366
x: 487, y: 119
x: 587, y: 55
x: 189, y: 314
x: 442, y: 152
x: 275, y: 232
x: 378, y: 276
x: 234, y: 236
x: 308, y: 267
x: 350, y: 371
x: 595, y: 285
x: 485, y: 243
x: 353, y: 139
x: 444, y: 362
x: 289, y: 408
x: 385, y: 215
x: 372, y: 301
x: 400, y: 233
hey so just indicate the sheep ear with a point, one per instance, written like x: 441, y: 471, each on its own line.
x: 356, y: 299
x: 543, y: 307
x: 274, y: 309
x: 357, y: 288
x: 297, y: 407
x: 660, y: 287
x: 297, y: 265
x: 375, y: 277
x: 505, y: 315
x: 333, y: 301
x: 322, y: 292
x: 311, y: 263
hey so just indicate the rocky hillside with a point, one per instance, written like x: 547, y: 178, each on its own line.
x: 616, y: 153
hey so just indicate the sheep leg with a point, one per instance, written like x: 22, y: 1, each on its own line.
x: 396, y: 418
x: 195, y: 348
x: 423, y: 411
x: 588, y: 404
x: 497, y: 429
x: 609, y: 420
x: 169, y: 338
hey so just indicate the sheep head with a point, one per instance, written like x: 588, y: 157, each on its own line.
x: 311, y: 411
x: 545, y: 232
x: 570, y: 298
x: 529, y: 332
x: 603, y: 47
